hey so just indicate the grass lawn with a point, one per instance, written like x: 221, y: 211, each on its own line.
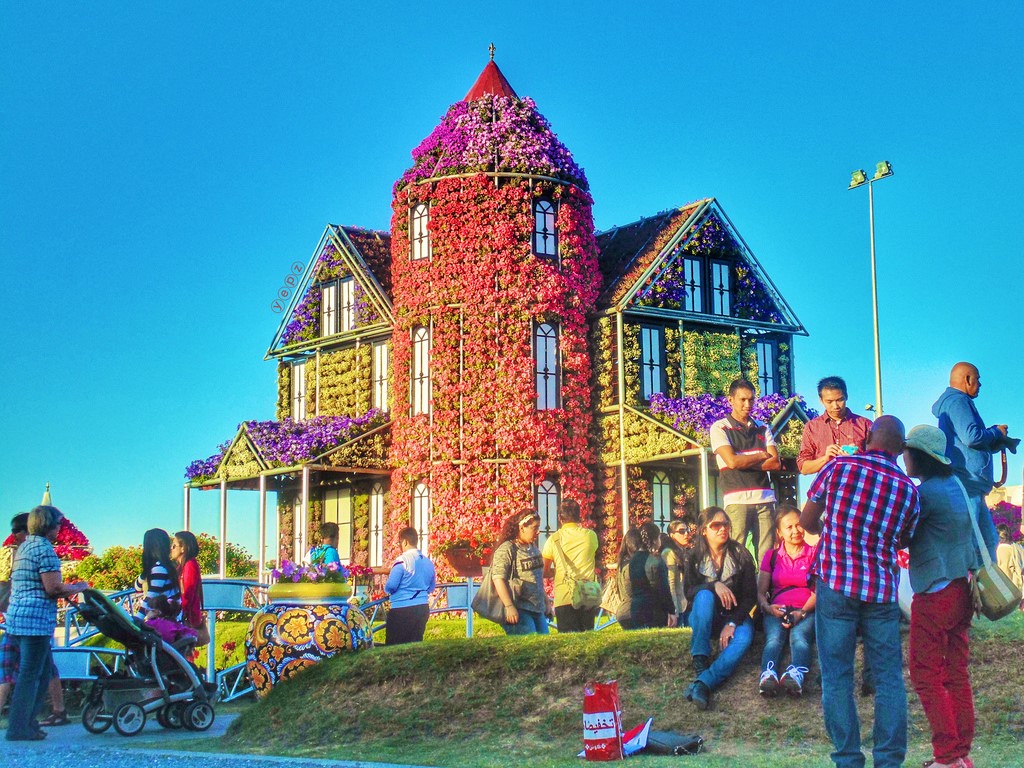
x: 497, y: 701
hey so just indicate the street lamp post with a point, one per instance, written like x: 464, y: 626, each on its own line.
x: 859, y: 178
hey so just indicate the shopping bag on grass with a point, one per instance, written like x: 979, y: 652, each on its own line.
x: 602, y: 721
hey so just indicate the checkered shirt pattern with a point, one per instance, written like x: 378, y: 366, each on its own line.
x: 871, y: 511
x: 32, y: 612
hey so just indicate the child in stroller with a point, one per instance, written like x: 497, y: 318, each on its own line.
x: 157, y: 677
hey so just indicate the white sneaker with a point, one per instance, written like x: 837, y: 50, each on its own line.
x: 769, y: 684
x: 793, y: 680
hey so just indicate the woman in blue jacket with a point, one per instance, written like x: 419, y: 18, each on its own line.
x: 410, y: 583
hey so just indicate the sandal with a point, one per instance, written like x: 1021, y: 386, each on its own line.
x: 56, y: 718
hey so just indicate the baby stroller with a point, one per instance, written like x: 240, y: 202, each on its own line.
x: 157, y: 677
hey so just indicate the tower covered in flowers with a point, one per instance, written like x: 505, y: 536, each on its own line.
x: 494, y: 278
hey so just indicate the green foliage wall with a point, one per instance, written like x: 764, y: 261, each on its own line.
x: 710, y: 362
x: 345, y: 382
x: 605, y: 367
x: 284, y: 391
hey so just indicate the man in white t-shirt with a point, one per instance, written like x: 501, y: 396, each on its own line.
x: 745, y: 452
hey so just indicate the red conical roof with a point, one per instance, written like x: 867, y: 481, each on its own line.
x: 491, y: 81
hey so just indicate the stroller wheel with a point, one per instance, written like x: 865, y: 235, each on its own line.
x: 170, y: 716
x: 198, y: 716
x: 129, y: 719
x: 94, y: 719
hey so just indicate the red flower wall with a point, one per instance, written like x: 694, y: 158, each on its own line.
x: 485, y: 446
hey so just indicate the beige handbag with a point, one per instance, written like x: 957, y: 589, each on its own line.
x: 995, y: 596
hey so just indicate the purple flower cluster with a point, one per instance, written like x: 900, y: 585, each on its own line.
x: 287, y: 442
x: 317, y: 573
x: 290, y: 442
x: 492, y: 133
x: 752, y: 299
x: 694, y: 414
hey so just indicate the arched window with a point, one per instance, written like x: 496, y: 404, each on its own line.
x: 419, y: 235
x: 377, y: 525
x: 661, y: 500
x: 381, y: 364
x: 547, y: 371
x: 545, y: 233
x: 420, y: 399
x: 421, y: 515
x: 546, y: 504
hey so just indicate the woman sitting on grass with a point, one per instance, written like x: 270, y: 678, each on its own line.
x: 643, y: 581
x: 722, y: 589
x: 518, y: 557
x: 676, y: 549
x: 786, y: 602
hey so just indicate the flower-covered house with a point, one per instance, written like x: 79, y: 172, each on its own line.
x: 493, y: 352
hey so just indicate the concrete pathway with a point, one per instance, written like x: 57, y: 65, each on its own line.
x: 71, y: 746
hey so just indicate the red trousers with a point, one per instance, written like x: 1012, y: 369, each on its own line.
x: 938, y: 667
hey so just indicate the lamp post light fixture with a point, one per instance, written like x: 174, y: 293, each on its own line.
x: 859, y: 178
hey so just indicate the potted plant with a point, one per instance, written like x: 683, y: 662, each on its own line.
x: 314, y: 583
x: 467, y: 557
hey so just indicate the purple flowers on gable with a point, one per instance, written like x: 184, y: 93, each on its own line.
x: 287, y: 442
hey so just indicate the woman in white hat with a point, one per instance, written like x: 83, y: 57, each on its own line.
x: 942, y: 554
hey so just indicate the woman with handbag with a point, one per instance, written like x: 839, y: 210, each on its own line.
x: 942, y: 554
x: 517, y: 573
x: 184, y: 551
x: 722, y: 588
x: 643, y: 581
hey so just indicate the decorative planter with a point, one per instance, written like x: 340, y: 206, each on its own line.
x: 289, y: 593
x: 464, y: 562
x: 299, y: 628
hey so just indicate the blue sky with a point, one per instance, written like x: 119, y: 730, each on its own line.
x: 162, y: 166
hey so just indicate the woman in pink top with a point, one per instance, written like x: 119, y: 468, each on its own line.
x: 787, y: 602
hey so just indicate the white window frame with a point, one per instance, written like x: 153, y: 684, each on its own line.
x: 346, y: 305
x: 546, y: 498
x: 298, y: 394
x: 652, y: 361
x: 377, y: 526
x: 381, y: 371
x: 661, y: 500
x: 419, y: 399
x: 329, y: 308
x: 420, y: 246
x: 338, y: 509
x: 421, y: 514
x: 767, y: 370
x: 546, y: 366
x: 545, y: 228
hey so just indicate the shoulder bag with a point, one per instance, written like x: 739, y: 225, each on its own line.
x: 586, y: 595
x: 994, y: 594
x: 611, y: 597
x: 487, y: 602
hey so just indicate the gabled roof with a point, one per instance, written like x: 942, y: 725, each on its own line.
x: 793, y: 410
x: 634, y: 256
x: 491, y: 81
x: 367, y: 256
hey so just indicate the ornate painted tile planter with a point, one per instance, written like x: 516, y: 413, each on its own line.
x: 303, y: 625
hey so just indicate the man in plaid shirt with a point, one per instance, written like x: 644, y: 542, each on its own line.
x: 865, y: 509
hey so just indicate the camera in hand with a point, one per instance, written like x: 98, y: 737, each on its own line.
x: 787, y: 616
x: 1011, y: 443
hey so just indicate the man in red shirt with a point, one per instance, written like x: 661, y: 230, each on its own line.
x: 865, y: 508
x: 838, y: 430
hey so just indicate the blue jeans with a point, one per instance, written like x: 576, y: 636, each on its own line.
x: 836, y: 620
x: 31, y: 688
x: 530, y: 623
x: 800, y: 638
x: 704, y: 620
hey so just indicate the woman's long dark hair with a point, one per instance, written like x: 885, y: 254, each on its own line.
x: 189, y: 544
x: 667, y: 542
x: 156, y: 548
x: 701, y: 550
x: 644, y: 538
